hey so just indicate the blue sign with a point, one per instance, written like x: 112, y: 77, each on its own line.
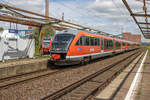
x: 13, y: 31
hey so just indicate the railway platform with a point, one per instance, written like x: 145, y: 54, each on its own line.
x: 144, y: 86
x: 22, y: 66
x: 132, y: 84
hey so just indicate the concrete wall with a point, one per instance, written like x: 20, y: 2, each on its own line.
x: 14, y: 48
x: 12, y: 70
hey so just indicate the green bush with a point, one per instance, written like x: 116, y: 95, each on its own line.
x: 1, y: 29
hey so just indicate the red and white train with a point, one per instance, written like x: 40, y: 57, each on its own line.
x: 79, y: 46
x: 45, y: 45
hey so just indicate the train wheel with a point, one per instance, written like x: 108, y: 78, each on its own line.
x: 82, y: 62
x: 86, y: 60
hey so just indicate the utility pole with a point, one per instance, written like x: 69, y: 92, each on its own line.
x: 47, y: 8
x: 63, y: 16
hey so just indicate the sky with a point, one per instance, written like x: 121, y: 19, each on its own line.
x: 109, y: 16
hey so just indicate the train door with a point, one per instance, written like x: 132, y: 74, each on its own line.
x: 102, y: 45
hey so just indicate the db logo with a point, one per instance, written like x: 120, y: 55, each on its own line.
x: 92, y: 49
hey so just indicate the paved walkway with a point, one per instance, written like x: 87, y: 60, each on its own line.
x: 144, y: 86
x: 119, y: 87
x: 141, y: 90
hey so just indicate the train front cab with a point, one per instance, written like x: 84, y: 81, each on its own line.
x: 60, y: 46
x: 45, y: 45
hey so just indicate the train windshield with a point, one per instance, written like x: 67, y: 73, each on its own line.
x: 46, y: 42
x: 63, y: 37
x: 62, y: 41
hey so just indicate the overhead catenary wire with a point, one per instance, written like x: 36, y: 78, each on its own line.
x: 73, y: 9
x: 123, y: 12
x: 78, y: 11
x: 119, y: 7
x: 14, y: 25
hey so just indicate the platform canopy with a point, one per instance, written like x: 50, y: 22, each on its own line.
x: 140, y: 12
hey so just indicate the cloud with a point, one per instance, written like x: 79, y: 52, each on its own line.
x: 115, y: 15
x: 36, y: 6
x: 106, y: 15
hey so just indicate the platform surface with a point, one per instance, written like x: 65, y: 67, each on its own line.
x: 144, y: 86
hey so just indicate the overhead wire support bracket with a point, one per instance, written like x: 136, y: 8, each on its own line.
x: 145, y: 15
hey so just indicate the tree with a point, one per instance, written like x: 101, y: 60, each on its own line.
x: 45, y: 31
x: 1, y: 29
x: 48, y: 31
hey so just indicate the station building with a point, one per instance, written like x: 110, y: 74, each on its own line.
x: 131, y: 37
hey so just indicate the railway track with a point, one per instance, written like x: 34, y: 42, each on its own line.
x: 26, y: 81
x: 87, y: 86
x: 18, y: 79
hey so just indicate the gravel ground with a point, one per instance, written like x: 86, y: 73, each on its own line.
x: 5, y: 82
x: 42, y: 87
x: 82, y: 91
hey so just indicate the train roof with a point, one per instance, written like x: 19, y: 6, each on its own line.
x: 75, y: 32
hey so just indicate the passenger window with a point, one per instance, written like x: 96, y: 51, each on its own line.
x: 96, y: 41
x: 123, y: 43
x: 92, y: 41
x: 118, y: 45
x: 87, y: 41
x: 105, y: 44
x: 102, y: 47
x: 80, y: 41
